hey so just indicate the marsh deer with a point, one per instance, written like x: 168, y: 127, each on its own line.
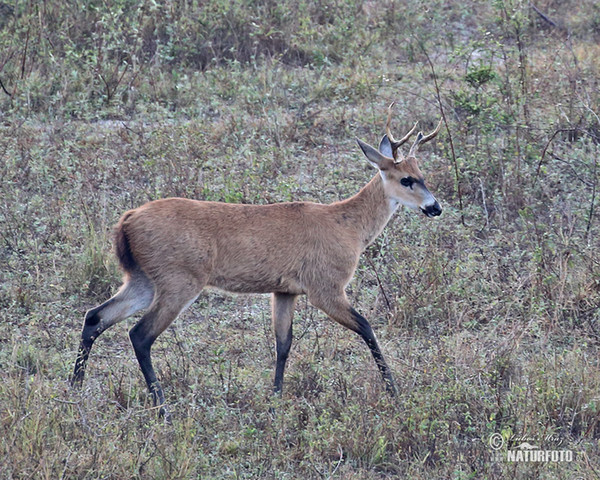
x: 171, y: 249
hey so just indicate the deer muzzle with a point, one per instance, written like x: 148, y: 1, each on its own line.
x: 432, y: 210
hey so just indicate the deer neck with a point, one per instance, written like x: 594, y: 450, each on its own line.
x: 369, y: 211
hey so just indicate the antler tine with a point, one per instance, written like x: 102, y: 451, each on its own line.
x: 388, y: 123
x: 404, y: 139
x: 396, y: 143
x: 421, y: 139
x: 428, y: 137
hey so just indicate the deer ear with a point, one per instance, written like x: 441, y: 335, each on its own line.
x: 376, y: 158
x: 385, y: 147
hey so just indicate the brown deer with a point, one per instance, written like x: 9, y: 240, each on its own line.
x: 171, y: 249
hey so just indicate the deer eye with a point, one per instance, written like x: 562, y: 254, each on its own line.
x: 406, y: 181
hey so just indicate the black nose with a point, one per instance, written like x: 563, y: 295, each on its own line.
x: 432, y: 210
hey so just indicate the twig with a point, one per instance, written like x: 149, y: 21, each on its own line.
x: 387, y: 302
x: 111, y: 91
x: 556, y: 132
x: 593, y: 201
x: 24, y: 55
x: 67, y: 402
x: 341, y: 452
x: 595, y: 177
x: 443, y: 113
x: 485, y: 210
x: 544, y: 17
x: 4, y: 88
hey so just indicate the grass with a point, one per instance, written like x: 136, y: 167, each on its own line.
x: 488, y: 316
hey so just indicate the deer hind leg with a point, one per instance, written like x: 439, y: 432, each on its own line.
x: 135, y: 294
x: 339, y: 309
x: 168, y: 303
x: 283, y: 312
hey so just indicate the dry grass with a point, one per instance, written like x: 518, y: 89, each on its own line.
x: 488, y: 315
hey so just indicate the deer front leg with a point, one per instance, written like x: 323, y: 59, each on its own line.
x: 339, y: 309
x: 283, y: 311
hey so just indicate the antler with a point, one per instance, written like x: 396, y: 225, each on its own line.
x: 396, y: 143
x: 421, y: 139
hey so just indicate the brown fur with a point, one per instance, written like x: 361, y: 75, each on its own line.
x: 122, y: 249
x: 289, y: 247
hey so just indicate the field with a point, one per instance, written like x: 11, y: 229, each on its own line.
x: 487, y: 315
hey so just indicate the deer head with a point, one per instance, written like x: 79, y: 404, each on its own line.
x: 403, y: 181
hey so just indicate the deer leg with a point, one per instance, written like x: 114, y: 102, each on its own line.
x: 340, y: 310
x: 166, y: 307
x: 136, y: 294
x: 283, y: 311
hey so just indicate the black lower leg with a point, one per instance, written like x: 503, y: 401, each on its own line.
x: 283, y: 350
x: 80, y: 363
x: 91, y: 330
x: 366, y: 333
x: 142, y: 345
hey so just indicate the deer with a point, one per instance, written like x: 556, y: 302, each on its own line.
x: 171, y: 249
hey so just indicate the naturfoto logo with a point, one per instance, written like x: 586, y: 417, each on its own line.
x: 524, y: 449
